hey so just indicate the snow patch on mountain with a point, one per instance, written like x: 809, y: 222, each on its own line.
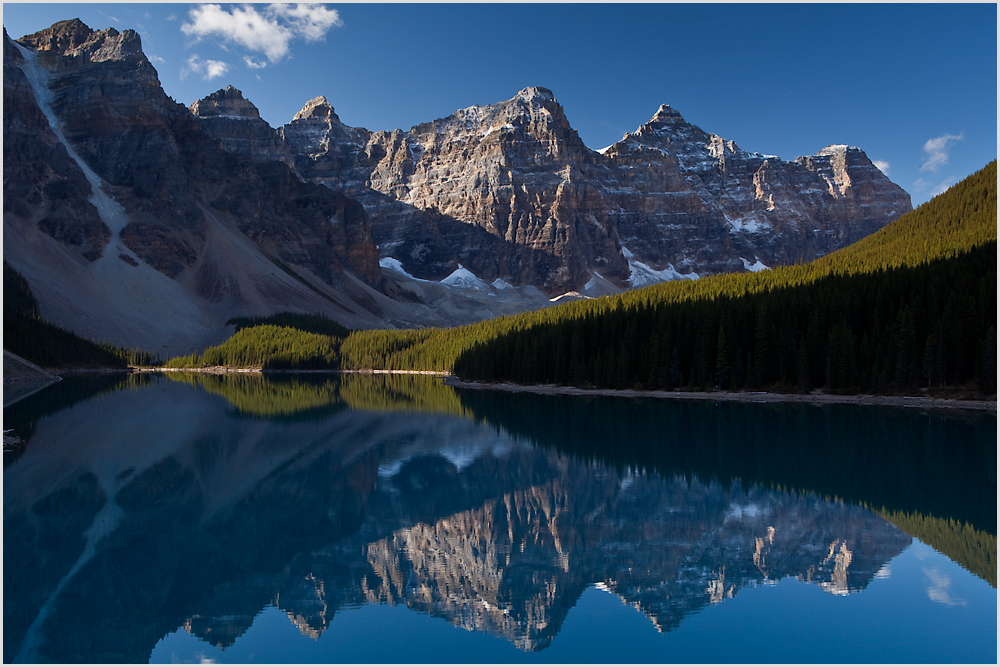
x: 111, y: 212
x: 394, y: 264
x: 569, y: 296
x: 749, y: 224
x: 464, y: 279
x: 756, y: 266
x: 500, y: 128
x: 641, y: 274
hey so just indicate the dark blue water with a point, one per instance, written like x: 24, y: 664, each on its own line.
x: 310, y: 519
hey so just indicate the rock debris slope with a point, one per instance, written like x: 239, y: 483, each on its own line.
x: 132, y: 224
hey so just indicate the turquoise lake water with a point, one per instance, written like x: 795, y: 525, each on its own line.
x: 316, y: 518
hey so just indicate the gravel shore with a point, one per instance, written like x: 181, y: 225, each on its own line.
x: 744, y: 396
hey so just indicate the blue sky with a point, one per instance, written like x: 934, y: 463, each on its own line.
x: 914, y: 85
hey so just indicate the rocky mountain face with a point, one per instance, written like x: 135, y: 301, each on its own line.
x: 667, y: 201
x: 145, y: 223
x: 41, y: 181
x: 109, y: 180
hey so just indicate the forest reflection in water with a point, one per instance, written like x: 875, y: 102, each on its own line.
x: 196, y: 501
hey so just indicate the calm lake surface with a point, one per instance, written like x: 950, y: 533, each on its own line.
x: 317, y: 518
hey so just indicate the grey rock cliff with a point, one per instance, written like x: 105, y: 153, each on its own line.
x: 227, y: 116
x: 98, y: 158
x: 678, y: 199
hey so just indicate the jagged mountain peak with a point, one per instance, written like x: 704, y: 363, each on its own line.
x: 537, y: 100
x: 839, y: 149
x: 62, y: 36
x: 227, y: 102
x: 661, y: 130
x: 317, y: 107
x: 533, y: 93
x: 666, y: 113
x: 75, y: 38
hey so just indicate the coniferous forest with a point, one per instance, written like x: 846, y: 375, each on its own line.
x: 911, y: 306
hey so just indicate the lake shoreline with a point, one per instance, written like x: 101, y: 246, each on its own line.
x: 740, y: 396
x: 226, y: 370
x: 552, y: 390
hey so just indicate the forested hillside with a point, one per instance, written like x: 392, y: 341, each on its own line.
x: 913, y: 305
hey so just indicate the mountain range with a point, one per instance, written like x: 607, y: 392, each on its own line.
x: 142, y: 222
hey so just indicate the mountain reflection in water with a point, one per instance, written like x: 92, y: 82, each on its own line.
x: 131, y: 513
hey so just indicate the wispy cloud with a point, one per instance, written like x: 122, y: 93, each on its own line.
x: 939, y: 588
x: 253, y: 64
x: 157, y: 59
x: 882, y: 165
x: 931, y: 189
x: 941, y: 187
x: 206, y: 69
x: 937, y: 151
x: 269, y: 30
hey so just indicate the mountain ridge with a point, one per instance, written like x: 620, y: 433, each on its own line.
x: 472, y: 166
x: 206, y: 212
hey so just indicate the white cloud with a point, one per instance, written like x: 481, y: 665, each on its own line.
x: 157, y: 59
x: 939, y: 588
x: 309, y: 21
x: 937, y: 151
x: 882, y: 165
x: 253, y: 64
x: 206, y: 69
x: 268, y: 31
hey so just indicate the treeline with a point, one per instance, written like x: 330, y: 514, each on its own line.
x: 27, y: 335
x: 315, y: 323
x: 267, y: 346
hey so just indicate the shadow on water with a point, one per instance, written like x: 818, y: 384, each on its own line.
x: 131, y: 514
x: 935, y: 463
x: 22, y: 417
x: 931, y: 473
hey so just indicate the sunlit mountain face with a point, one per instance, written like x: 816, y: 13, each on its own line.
x: 165, y: 506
